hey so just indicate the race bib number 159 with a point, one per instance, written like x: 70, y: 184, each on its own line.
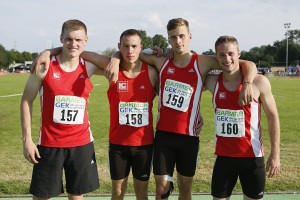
x: 177, y: 95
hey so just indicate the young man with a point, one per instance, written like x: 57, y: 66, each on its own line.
x: 239, y: 144
x: 131, y: 120
x: 181, y: 82
x: 65, y: 140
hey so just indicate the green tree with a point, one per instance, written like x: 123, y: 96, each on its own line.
x: 109, y: 51
x: 26, y: 56
x: 34, y: 56
x: 146, y: 40
x: 15, y: 56
x: 209, y: 52
x: 3, y: 57
x: 160, y: 41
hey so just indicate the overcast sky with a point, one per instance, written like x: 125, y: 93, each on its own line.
x: 28, y: 25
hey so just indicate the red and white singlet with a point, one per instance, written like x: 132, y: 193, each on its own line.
x: 237, y: 129
x: 131, y: 101
x: 64, y: 101
x: 179, y: 97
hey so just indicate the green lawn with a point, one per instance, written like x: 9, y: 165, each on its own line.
x: 15, y: 171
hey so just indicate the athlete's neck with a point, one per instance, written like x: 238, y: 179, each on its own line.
x: 182, y: 60
x: 68, y: 63
x: 131, y: 70
x: 233, y: 80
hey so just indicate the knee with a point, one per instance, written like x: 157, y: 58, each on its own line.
x: 167, y: 191
x: 117, y: 194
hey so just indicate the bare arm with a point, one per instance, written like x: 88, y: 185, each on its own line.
x: 44, y: 59
x: 99, y: 60
x: 32, y: 87
x: 92, y: 69
x: 249, y: 72
x: 269, y: 105
x: 155, y: 59
x: 210, y: 82
x: 112, y: 69
x: 153, y: 75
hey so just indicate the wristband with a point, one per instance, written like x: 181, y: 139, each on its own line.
x: 246, y: 82
x: 148, y: 51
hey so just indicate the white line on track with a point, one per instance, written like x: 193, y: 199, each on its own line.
x: 12, y: 95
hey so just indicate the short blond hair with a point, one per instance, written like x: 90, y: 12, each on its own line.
x: 225, y: 39
x: 174, y: 23
x: 73, y: 24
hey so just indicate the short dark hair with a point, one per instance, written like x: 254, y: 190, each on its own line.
x: 130, y: 32
x: 73, y: 24
x: 174, y: 23
x: 226, y: 39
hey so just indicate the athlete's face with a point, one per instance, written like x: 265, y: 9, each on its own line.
x: 179, y: 38
x: 73, y: 42
x: 130, y: 48
x: 228, y: 56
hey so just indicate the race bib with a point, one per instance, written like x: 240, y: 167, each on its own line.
x: 134, y: 113
x: 69, y: 109
x: 177, y: 95
x: 230, y: 123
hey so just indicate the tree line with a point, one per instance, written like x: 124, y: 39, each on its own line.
x: 273, y: 55
x: 263, y: 56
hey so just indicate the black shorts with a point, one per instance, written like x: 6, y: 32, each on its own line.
x: 122, y: 158
x: 172, y: 149
x: 79, y: 164
x: 250, y: 171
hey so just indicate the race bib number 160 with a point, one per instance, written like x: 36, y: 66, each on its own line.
x: 229, y: 123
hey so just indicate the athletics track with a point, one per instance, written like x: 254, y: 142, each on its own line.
x: 271, y: 196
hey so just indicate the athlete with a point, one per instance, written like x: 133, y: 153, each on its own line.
x: 131, y: 120
x: 65, y: 141
x: 181, y: 82
x: 239, y: 144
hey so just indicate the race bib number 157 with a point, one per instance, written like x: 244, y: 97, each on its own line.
x: 69, y: 109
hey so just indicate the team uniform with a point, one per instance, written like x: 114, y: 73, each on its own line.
x: 239, y: 145
x: 65, y: 140
x: 131, y: 125
x: 178, y: 114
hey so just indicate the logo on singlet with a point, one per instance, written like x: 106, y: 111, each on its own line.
x: 222, y: 95
x: 56, y: 75
x: 122, y: 86
x: 171, y: 70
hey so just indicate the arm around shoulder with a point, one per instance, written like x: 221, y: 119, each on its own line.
x: 154, y: 77
x: 99, y: 60
x: 210, y: 82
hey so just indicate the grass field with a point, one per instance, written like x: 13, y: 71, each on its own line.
x: 15, y: 171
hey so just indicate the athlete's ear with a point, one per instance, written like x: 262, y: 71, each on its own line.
x: 119, y: 46
x: 86, y: 41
